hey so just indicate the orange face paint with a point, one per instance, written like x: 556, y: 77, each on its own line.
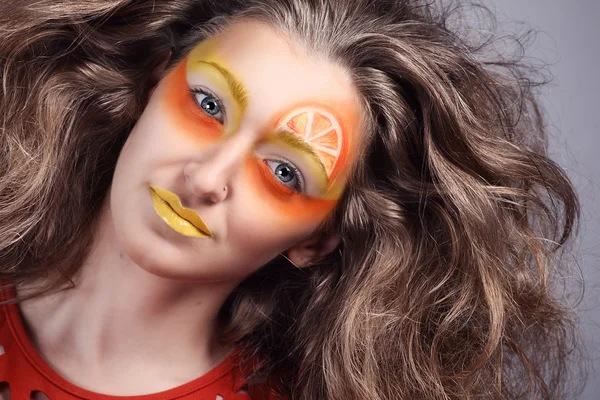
x: 184, y: 111
x: 227, y: 85
x: 318, y: 128
x: 283, y: 201
x: 302, y: 155
x: 326, y: 134
x: 316, y: 124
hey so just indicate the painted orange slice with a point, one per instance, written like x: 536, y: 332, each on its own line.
x: 319, y: 129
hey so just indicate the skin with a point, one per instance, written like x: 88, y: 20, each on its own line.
x: 148, y: 295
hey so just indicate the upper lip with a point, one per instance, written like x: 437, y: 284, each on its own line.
x: 187, y: 213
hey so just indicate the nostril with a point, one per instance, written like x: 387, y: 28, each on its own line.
x: 209, y: 180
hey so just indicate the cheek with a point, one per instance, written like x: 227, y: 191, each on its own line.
x: 183, y: 112
x: 266, y: 222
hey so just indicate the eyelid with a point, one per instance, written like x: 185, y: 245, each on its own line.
x: 300, y: 176
x: 294, y: 141
x: 207, y: 92
x: 276, y: 143
x: 206, y: 73
x: 234, y: 87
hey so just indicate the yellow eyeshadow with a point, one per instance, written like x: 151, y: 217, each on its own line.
x: 184, y: 111
x: 209, y: 73
x: 235, y: 87
x: 225, y: 82
x: 305, y: 153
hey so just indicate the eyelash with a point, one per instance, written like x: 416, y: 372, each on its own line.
x: 207, y: 93
x: 296, y: 170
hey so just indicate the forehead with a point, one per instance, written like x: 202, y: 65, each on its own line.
x: 278, y: 75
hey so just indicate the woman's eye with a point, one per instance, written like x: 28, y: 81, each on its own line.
x: 287, y: 173
x: 209, y: 104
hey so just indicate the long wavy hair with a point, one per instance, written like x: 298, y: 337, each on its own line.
x: 453, y: 225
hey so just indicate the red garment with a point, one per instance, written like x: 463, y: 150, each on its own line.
x: 26, y: 372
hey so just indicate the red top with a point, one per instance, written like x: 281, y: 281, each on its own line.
x: 25, y: 372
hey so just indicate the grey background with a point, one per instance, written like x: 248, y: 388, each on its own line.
x: 569, y: 40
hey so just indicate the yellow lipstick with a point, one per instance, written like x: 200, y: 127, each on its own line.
x: 184, y: 221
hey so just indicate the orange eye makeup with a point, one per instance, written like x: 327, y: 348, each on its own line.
x: 320, y: 134
x: 184, y: 111
x: 272, y: 184
x: 309, y: 135
x: 288, y: 145
x: 226, y: 83
x: 283, y: 201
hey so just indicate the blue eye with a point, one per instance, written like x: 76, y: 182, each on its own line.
x: 209, y: 104
x: 287, y: 173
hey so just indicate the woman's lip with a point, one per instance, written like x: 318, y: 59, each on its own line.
x: 186, y: 213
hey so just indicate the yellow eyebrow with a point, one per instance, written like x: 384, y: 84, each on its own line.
x: 293, y: 140
x: 239, y: 93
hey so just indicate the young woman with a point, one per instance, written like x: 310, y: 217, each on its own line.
x: 305, y: 199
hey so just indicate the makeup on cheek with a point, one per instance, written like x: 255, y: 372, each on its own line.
x: 280, y: 200
x: 183, y: 110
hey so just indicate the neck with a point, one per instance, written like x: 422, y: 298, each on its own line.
x: 119, y: 314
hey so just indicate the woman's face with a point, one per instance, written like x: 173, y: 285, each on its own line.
x: 240, y: 154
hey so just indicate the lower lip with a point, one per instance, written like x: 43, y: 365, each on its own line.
x: 175, y: 222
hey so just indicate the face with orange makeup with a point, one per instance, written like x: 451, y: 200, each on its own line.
x: 251, y: 135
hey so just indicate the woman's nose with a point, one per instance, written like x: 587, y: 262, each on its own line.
x: 210, y: 176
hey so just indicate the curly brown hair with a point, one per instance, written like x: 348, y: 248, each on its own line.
x: 453, y: 225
